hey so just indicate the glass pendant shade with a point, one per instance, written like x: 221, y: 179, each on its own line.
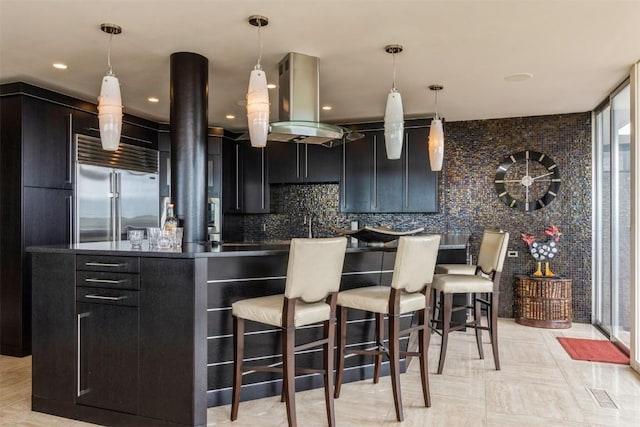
x: 436, y: 145
x: 110, y: 113
x: 258, y: 108
x: 393, y: 125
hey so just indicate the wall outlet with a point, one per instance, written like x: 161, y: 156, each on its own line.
x: 512, y: 254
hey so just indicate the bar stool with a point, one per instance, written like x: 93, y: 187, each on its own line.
x: 314, y: 271
x: 412, y: 272
x: 483, y: 278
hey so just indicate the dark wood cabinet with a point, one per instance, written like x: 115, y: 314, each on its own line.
x: 388, y: 178
x: 214, y: 167
x: 421, y: 183
x: 47, y: 138
x: 291, y: 163
x: 107, y: 332
x: 357, y: 172
x: 371, y: 183
x: 54, y: 343
x: 108, y: 351
x: 245, y: 186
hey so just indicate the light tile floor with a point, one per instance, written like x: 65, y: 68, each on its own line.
x: 539, y: 384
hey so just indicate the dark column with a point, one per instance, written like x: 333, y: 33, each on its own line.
x: 189, y: 100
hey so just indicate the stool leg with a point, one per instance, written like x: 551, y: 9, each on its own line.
x: 434, y: 309
x: 380, y: 345
x: 289, y: 373
x: 329, y: 328
x: 477, y: 320
x: 238, y: 354
x: 446, y: 324
x: 342, y: 342
x: 493, y: 325
x: 394, y: 362
x: 423, y: 348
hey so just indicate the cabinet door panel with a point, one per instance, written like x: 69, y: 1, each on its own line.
x: 231, y: 177
x: 255, y: 188
x: 388, y: 178
x: 321, y: 164
x: 357, y: 172
x: 47, y: 148
x: 108, y: 344
x: 284, y: 162
x: 421, y: 192
x: 47, y: 216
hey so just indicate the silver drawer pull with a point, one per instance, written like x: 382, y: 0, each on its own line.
x: 91, y: 296
x: 114, y: 282
x: 102, y: 264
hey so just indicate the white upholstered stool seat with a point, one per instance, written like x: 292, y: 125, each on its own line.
x: 314, y: 271
x: 268, y: 310
x: 462, y: 283
x: 413, y: 271
x: 477, y: 280
x: 376, y: 299
x: 455, y: 269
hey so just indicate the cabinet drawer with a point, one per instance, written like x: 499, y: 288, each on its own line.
x: 99, y: 279
x: 108, y: 296
x: 119, y: 264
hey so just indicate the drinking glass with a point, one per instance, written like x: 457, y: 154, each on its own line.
x: 135, y: 238
x: 153, y: 233
x: 178, y: 237
x: 165, y: 238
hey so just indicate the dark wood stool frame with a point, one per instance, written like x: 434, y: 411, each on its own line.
x: 289, y: 369
x: 393, y: 352
x: 479, y: 302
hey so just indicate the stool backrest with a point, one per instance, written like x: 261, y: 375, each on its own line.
x: 493, y: 249
x: 415, y: 262
x: 315, y: 268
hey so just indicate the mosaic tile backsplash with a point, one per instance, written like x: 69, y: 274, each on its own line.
x: 468, y: 200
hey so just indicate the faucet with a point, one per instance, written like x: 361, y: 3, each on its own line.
x: 308, y: 222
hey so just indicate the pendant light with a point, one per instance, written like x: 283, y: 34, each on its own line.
x: 110, y: 101
x: 258, y: 94
x: 436, y: 136
x: 393, y: 115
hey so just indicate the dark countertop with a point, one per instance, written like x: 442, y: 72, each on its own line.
x: 196, y: 250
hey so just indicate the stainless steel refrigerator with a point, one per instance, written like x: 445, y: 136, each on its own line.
x: 115, y: 191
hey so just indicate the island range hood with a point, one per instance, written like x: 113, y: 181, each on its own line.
x: 299, y: 106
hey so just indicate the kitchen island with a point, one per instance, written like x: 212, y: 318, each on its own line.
x: 139, y: 337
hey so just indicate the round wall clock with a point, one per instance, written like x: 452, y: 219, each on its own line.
x: 527, y: 180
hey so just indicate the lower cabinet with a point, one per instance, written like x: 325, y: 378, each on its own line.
x: 108, y: 353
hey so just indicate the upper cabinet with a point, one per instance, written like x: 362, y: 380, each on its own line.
x: 292, y: 163
x: 47, y: 138
x: 245, y: 185
x: 371, y: 183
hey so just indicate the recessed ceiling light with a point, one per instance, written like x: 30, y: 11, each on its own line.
x: 230, y: 116
x: 153, y: 99
x: 60, y: 66
x: 271, y: 86
x: 518, y: 77
x: 326, y: 107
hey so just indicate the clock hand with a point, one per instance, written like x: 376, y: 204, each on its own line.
x: 542, y: 176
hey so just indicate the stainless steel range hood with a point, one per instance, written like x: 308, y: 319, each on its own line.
x: 299, y: 105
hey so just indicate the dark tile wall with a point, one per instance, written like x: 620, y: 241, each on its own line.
x: 468, y: 200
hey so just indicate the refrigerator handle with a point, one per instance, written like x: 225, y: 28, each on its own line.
x: 118, y: 206
x: 113, y: 194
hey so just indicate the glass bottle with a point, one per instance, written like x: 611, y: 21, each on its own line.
x: 171, y: 222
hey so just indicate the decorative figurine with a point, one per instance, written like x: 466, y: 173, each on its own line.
x: 544, y: 251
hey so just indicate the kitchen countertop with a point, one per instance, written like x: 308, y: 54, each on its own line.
x: 198, y: 250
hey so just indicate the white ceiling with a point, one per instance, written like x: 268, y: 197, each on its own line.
x: 577, y: 50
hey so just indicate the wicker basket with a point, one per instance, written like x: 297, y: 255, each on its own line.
x: 543, y: 302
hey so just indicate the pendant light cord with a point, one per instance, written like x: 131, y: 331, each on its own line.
x: 394, y: 73
x: 437, y: 104
x: 260, y: 44
x: 109, y: 55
